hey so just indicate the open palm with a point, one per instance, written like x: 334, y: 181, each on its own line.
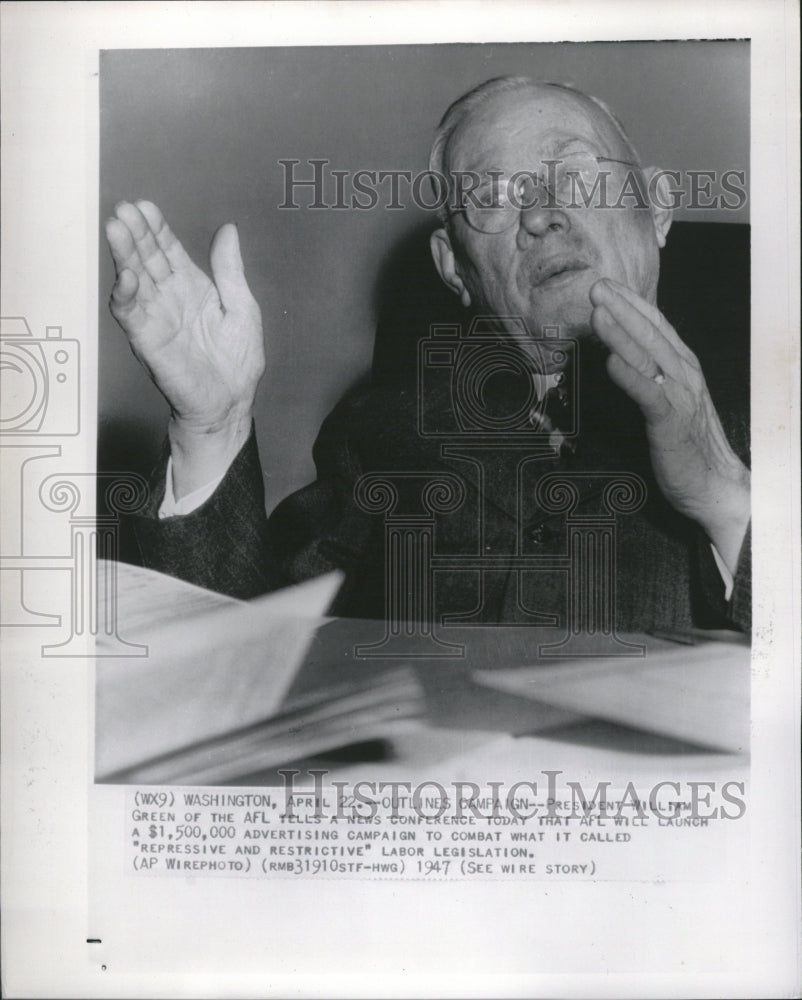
x: 200, y: 341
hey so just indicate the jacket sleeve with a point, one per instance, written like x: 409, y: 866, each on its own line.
x: 224, y: 544
x: 729, y: 388
x: 320, y: 527
x: 230, y: 546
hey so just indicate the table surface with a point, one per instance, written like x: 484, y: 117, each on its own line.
x: 215, y: 664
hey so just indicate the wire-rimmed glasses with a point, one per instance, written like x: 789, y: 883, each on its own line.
x: 494, y: 204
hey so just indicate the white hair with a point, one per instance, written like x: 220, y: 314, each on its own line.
x: 485, y: 92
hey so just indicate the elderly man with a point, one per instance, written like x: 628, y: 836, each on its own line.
x: 518, y: 251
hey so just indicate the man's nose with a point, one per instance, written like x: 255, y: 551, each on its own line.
x: 540, y: 219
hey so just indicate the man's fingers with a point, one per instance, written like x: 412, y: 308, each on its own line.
x: 124, y: 304
x: 621, y: 342
x: 653, y: 314
x: 654, y: 351
x: 169, y: 243
x: 150, y: 253
x: 647, y: 394
x: 125, y: 288
x: 126, y: 257
x: 123, y: 249
x: 228, y: 273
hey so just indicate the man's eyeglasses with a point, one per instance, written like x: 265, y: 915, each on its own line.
x: 494, y: 204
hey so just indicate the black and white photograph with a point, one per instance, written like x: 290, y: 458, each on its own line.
x: 517, y: 458
x: 387, y: 500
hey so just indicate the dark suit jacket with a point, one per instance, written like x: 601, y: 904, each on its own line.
x: 666, y: 576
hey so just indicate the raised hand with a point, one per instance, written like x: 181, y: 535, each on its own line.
x: 201, y: 342
x: 695, y: 467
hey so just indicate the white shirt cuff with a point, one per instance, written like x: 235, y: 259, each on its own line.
x: 726, y: 576
x: 171, y: 507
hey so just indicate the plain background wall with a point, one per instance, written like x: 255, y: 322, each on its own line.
x: 200, y: 132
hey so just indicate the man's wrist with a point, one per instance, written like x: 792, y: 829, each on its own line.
x: 203, y: 453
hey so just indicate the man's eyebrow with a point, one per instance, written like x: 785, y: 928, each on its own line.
x: 586, y: 146
x: 553, y: 148
x: 476, y: 169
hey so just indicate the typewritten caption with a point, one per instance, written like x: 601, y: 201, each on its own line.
x: 331, y: 832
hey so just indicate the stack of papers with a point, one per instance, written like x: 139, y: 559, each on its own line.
x: 331, y: 718
x: 695, y: 689
x: 211, y: 700
x: 231, y: 690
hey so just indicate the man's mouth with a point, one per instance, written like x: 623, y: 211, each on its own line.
x: 558, y: 271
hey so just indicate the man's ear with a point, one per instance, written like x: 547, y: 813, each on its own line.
x: 446, y: 264
x: 662, y: 198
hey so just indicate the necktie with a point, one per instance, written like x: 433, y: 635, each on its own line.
x: 551, y: 415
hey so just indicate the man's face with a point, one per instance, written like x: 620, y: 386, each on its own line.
x: 543, y: 266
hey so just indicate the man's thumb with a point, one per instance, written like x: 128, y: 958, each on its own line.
x: 227, y: 270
